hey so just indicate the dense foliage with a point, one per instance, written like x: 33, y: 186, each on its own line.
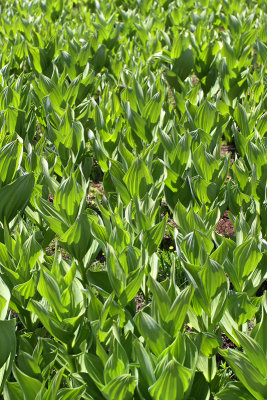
x: 112, y: 183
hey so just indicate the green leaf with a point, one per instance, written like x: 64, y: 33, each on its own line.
x: 71, y: 394
x: 68, y: 198
x: 247, y: 373
x: 208, y: 343
x: 180, y: 218
x: 95, y: 369
x: 10, y: 158
x: 137, y: 123
x: 132, y: 288
x: 234, y: 391
x: 260, y: 334
x: 153, y: 237
x: 54, y: 386
x: 184, y: 64
x: 120, y: 388
x: 138, y: 178
x: 153, y: 108
x: 121, y: 190
x: 49, y: 289
x: 4, y: 299
x: 178, y: 310
x: 30, y: 386
x: 114, y: 367
x: 246, y: 258
x: 38, y: 59
x: 205, y: 191
x: 156, y: 338
x: 26, y: 289
x: 20, y: 192
x: 78, y: 239
x: 28, y: 365
x: 12, y: 391
x: 54, y: 328
x: 204, y: 163
x: 173, y: 383
x: 201, y: 387
x: 54, y: 219
x: 206, y: 117
x: 254, y: 352
x: 115, y: 271
x: 196, y: 247
x: 160, y: 297
x: 100, y: 233
x: 242, y: 119
x: 8, y: 349
x: 48, y: 87
x: 146, y: 366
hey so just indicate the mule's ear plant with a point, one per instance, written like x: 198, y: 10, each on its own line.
x: 133, y: 200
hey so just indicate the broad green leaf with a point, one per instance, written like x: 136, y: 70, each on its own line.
x: 4, y: 299
x: 114, y: 367
x: 160, y: 297
x: 53, y: 327
x: 122, y: 190
x: 178, y: 310
x: 156, y: 338
x: 136, y: 122
x: 200, y: 386
x: 38, y: 59
x: 95, y: 369
x: 68, y: 198
x: 208, y: 343
x: 138, y: 178
x: 100, y: 280
x: 20, y: 192
x: 208, y: 366
x: 234, y: 391
x: 153, y: 237
x: 242, y: 119
x: 78, y: 239
x: 180, y: 218
x: 152, y: 109
x: 30, y: 386
x: 10, y: 159
x: 26, y: 289
x: 12, y: 391
x: 27, y: 364
x: 204, y: 163
x: 260, y: 334
x: 8, y: 349
x: 116, y: 274
x: 55, y: 220
x: 54, y: 385
x: 246, y: 258
x: 71, y: 394
x: 206, y: 117
x: 254, y: 352
x: 120, y: 388
x: 183, y: 65
x: 132, y: 288
x: 48, y: 87
x: 145, y: 362
x: 205, y: 191
x: 196, y: 247
x: 249, y: 375
x: 173, y: 383
x: 100, y: 233
x: 49, y: 289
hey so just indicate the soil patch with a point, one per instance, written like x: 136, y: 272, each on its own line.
x: 225, y: 226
